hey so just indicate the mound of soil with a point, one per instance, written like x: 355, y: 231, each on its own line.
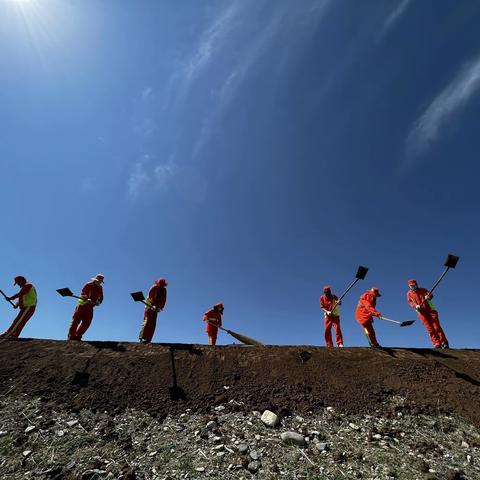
x: 164, y: 379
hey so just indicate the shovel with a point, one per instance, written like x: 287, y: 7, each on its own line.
x: 450, y: 262
x: 360, y: 275
x: 66, y: 292
x: 405, y: 323
x: 239, y: 336
x: 6, y: 298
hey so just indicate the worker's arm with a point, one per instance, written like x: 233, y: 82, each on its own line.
x: 411, y: 301
x: 367, y: 304
x: 23, y: 291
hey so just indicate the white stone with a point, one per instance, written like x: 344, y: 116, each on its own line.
x: 72, y: 423
x: 29, y: 429
x: 26, y: 453
x: 293, y: 438
x: 270, y: 419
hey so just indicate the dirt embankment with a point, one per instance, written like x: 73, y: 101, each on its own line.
x: 165, y: 379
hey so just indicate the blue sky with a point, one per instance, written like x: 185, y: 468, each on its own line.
x: 249, y: 151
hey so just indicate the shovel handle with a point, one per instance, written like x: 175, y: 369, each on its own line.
x: 436, y: 284
x: 390, y: 320
x: 337, y: 302
x: 7, y: 299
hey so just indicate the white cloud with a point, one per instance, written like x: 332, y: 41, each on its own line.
x: 427, y: 128
x: 302, y: 19
x: 138, y: 181
x: 212, y: 39
x: 394, y: 17
x: 147, y: 175
x: 147, y: 92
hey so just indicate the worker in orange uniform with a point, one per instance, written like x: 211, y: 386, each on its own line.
x: 329, y: 304
x: 214, y: 320
x: 157, y: 297
x: 365, y: 313
x: 420, y: 299
x: 91, y: 296
x: 27, y: 303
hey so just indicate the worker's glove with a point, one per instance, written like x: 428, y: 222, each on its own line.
x: 328, y: 313
x: 417, y: 308
x: 427, y: 298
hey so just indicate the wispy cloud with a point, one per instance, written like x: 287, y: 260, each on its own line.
x: 211, y: 41
x: 395, y: 16
x: 148, y: 174
x: 427, y: 128
x: 301, y: 18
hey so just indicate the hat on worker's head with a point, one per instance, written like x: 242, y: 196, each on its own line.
x: 219, y: 306
x: 412, y: 282
x: 161, y: 282
x: 327, y: 288
x: 19, y: 280
x: 376, y: 292
x: 98, y: 278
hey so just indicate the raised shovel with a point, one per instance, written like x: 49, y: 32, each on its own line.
x: 360, y: 275
x: 450, y: 262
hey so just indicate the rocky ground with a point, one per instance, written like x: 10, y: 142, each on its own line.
x: 40, y: 442
x: 96, y: 410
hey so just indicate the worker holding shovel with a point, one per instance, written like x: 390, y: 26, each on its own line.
x: 214, y: 320
x: 157, y: 297
x: 27, y: 302
x: 91, y: 296
x: 366, y: 311
x: 329, y: 304
x: 421, y: 300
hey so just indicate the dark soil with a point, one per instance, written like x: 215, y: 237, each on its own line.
x: 166, y: 379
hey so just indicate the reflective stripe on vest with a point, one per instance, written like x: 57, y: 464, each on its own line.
x: 30, y: 298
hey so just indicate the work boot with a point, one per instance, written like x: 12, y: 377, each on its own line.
x: 445, y: 345
x: 437, y: 347
x: 143, y: 340
x: 341, y: 345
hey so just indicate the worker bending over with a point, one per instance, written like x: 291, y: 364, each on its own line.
x: 214, y: 320
x: 27, y: 302
x: 329, y: 304
x: 421, y: 300
x: 366, y: 311
x: 157, y: 297
x: 91, y: 296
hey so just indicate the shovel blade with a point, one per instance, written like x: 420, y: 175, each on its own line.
x: 451, y: 261
x: 65, y: 292
x: 138, y: 296
x: 361, y: 272
x: 406, y: 323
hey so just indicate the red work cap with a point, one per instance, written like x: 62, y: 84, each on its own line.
x: 327, y: 288
x: 219, y: 306
x: 161, y: 282
x: 98, y: 278
x: 375, y: 291
x: 412, y: 282
x: 19, y: 280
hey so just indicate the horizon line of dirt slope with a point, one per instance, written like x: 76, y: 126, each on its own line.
x: 166, y: 379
